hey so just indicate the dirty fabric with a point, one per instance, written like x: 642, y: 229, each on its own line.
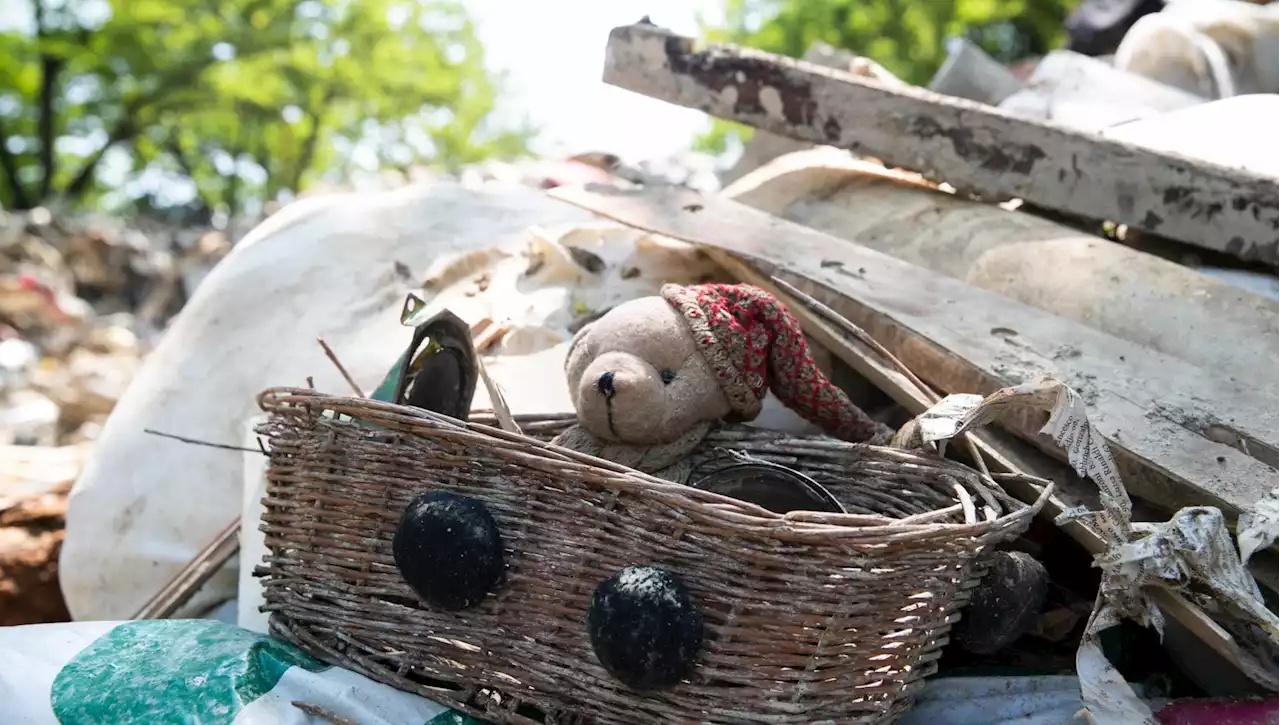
x: 668, y: 461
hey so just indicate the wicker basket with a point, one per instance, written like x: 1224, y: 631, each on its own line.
x: 810, y: 617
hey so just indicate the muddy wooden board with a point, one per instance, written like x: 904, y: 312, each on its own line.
x: 969, y: 145
x: 1181, y: 436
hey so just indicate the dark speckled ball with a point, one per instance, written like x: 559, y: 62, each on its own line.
x: 644, y: 628
x: 1006, y: 605
x: 448, y: 549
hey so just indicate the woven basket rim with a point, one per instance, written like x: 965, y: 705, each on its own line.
x: 722, y: 510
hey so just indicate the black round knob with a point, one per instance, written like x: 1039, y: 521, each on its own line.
x: 644, y: 627
x: 1005, y: 606
x: 448, y: 549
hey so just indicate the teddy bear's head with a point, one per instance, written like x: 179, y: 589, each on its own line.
x: 659, y: 371
x: 636, y: 376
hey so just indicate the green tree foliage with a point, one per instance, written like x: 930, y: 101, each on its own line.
x: 908, y: 37
x: 123, y: 101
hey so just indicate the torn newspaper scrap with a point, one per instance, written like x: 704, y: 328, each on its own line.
x: 1192, y: 553
x: 1259, y: 527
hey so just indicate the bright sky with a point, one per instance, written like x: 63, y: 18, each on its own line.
x: 553, y: 51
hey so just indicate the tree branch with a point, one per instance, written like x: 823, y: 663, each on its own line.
x: 261, y: 153
x: 10, y: 166
x: 50, y: 69
x: 127, y: 127
x: 123, y: 131
x: 231, y: 192
x: 174, y: 146
x: 309, y: 145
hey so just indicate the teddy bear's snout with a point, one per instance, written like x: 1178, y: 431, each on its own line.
x: 623, y: 397
x: 618, y: 383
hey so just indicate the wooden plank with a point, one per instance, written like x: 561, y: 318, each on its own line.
x: 1068, y: 492
x: 1162, y: 417
x: 969, y: 145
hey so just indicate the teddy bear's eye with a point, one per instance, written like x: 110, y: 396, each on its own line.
x: 667, y: 377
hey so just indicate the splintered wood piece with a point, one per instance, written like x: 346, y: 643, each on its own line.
x: 489, y: 335
x: 969, y: 145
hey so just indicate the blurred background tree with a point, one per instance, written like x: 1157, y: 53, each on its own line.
x: 213, y: 107
x: 907, y: 37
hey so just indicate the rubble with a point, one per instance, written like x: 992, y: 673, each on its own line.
x: 82, y: 300
x: 961, y: 338
x: 30, y: 540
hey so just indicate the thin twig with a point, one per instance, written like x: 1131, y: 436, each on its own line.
x: 976, y: 454
x: 323, y: 713
x: 341, y: 370
x: 189, y: 580
x: 207, y: 444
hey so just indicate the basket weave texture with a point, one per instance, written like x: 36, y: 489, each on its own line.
x: 810, y: 617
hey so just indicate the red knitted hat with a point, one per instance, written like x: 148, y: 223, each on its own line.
x: 751, y: 341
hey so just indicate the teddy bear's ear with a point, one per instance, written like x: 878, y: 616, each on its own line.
x: 577, y: 346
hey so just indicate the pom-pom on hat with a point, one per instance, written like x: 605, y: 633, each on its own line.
x: 754, y: 344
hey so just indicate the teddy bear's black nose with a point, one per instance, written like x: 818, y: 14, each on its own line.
x: 605, y: 384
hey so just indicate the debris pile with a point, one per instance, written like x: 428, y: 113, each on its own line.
x: 858, y: 170
x: 983, y: 234
x: 82, y: 300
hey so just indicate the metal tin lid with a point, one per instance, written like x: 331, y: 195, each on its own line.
x: 772, y: 487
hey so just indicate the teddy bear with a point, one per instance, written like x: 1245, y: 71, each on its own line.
x: 651, y: 377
